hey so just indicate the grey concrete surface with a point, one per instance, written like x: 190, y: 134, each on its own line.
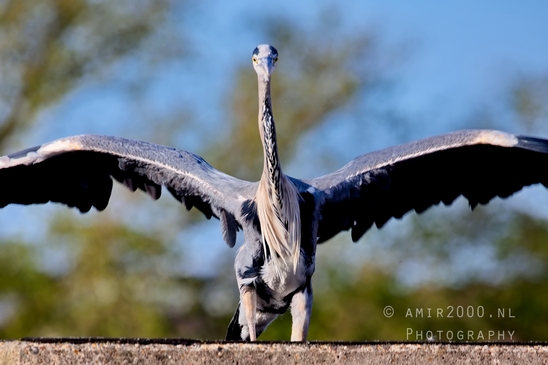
x: 104, y: 351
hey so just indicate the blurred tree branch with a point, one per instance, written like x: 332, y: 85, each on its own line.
x: 47, y: 47
x: 528, y: 98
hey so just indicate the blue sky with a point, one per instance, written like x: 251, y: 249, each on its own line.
x: 460, y: 56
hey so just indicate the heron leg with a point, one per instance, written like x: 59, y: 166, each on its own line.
x: 249, y: 303
x: 301, y: 309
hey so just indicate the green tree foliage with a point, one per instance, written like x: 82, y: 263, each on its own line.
x: 102, y: 290
x: 47, y: 47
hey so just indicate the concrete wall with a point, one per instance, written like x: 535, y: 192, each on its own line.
x: 102, y: 351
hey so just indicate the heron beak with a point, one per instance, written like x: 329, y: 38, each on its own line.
x: 267, y: 65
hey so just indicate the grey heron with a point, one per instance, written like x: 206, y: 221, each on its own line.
x: 282, y: 218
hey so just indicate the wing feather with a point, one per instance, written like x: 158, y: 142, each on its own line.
x: 78, y: 171
x: 478, y: 164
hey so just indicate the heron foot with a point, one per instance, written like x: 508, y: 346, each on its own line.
x: 249, y: 303
x: 301, y: 309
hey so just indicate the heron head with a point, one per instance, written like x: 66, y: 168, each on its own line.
x: 264, y: 60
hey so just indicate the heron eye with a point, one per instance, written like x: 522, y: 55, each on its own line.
x: 276, y: 59
x: 254, y: 59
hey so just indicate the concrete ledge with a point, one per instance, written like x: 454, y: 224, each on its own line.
x: 180, y: 351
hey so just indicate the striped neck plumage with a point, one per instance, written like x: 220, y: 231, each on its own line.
x: 277, y: 197
x: 272, y: 166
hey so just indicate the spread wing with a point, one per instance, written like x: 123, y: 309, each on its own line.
x: 478, y: 164
x: 78, y: 171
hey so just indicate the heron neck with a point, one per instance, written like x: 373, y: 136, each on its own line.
x: 267, y: 130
